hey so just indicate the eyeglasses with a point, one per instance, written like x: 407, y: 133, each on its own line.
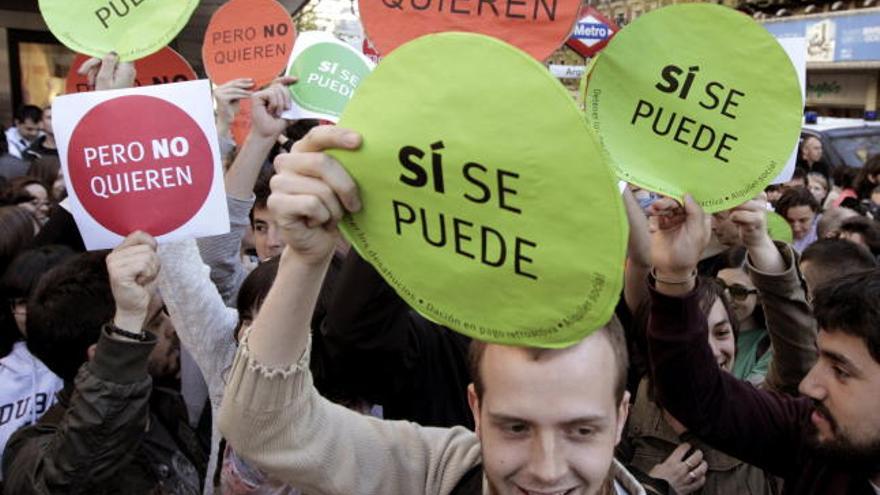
x: 737, y: 291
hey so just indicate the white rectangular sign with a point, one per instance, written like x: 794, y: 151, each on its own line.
x: 143, y: 158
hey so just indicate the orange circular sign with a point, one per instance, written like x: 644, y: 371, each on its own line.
x: 537, y: 27
x: 164, y: 66
x: 248, y: 38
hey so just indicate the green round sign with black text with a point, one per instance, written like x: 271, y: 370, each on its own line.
x: 487, y: 203
x: 133, y: 29
x: 695, y: 98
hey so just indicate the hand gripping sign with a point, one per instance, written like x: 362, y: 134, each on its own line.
x: 163, y: 67
x: 248, y: 38
x: 712, y: 110
x: 499, y: 221
x: 329, y: 72
x: 131, y: 28
x: 538, y: 27
x: 142, y: 159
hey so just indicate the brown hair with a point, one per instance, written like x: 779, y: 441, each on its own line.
x: 613, y: 332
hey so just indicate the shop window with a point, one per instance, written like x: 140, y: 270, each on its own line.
x: 38, y: 65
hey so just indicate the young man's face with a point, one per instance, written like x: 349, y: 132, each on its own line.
x: 548, y: 426
x: 28, y: 129
x: 266, y: 239
x: 845, y: 386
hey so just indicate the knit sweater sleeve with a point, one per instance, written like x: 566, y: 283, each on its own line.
x: 203, y: 323
x: 276, y: 420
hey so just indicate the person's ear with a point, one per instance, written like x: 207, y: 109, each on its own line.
x: 474, y: 402
x: 622, y: 414
x: 90, y: 352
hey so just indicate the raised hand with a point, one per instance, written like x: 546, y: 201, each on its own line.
x: 227, y: 96
x: 267, y: 106
x: 108, y: 73
x: 679, y: 235
x: 133, y: 267
x: 312, y: 191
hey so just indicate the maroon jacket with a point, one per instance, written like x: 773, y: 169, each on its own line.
x: 765, y: 429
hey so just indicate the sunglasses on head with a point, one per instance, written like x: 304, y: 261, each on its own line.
x: 736, y: 291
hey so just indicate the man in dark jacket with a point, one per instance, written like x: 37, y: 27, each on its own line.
x: 825, y: 442
x: 113, y: 431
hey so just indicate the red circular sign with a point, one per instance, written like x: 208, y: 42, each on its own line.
x: 538, y: 27
x: 164, y: 66
x: 248, y: 38
x: 140, y: 163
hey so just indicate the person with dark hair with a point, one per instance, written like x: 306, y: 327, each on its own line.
x: 843, y: 177
x: 800, y: 209
x: 654, y: 437
x: 19, y: 228
x: 247, y: 183
x: 868, y: 178
x: 28, y: 386
x: 43, y: 146
x: 753, y: 352
x: 828, y: 259
x: 10, y: 166
x: 93, y: 321
x: 25, y: 131
x: 30, y: 194
x: 48, y: 170
x: 863, y: 231
x: 824, y: 442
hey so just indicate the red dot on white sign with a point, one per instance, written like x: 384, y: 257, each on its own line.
x: 140, y: 163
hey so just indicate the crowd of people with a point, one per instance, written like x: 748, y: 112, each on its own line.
x: 275, y: 360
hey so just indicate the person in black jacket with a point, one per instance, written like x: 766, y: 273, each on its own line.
x: 112, y: 430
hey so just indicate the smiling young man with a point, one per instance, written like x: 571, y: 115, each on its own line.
x: 546, y: 421
x: 825, y: 442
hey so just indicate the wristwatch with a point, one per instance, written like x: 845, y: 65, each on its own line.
x: 113, y: 329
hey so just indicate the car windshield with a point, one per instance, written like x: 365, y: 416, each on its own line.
x: 856, y: 147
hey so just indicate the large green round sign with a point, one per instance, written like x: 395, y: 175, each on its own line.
x: 695, y: 98
x: 133, y: 29
x: 487, y: 203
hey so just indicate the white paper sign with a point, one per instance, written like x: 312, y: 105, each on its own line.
x: 329, y: 73
x: 143, y: 158
x: 796, y: 48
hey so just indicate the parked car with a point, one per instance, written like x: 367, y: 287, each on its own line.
x: 845, y: 141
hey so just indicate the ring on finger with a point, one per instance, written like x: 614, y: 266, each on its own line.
x: 692, y: 476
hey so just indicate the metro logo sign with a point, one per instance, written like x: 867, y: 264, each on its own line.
x: 591, y: 33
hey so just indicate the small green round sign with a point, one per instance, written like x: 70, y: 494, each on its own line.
x: 778, y: 228
x: 487, y: 204
x: 695, y: 98
x: 329, y: 74
x: 133, y: 29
